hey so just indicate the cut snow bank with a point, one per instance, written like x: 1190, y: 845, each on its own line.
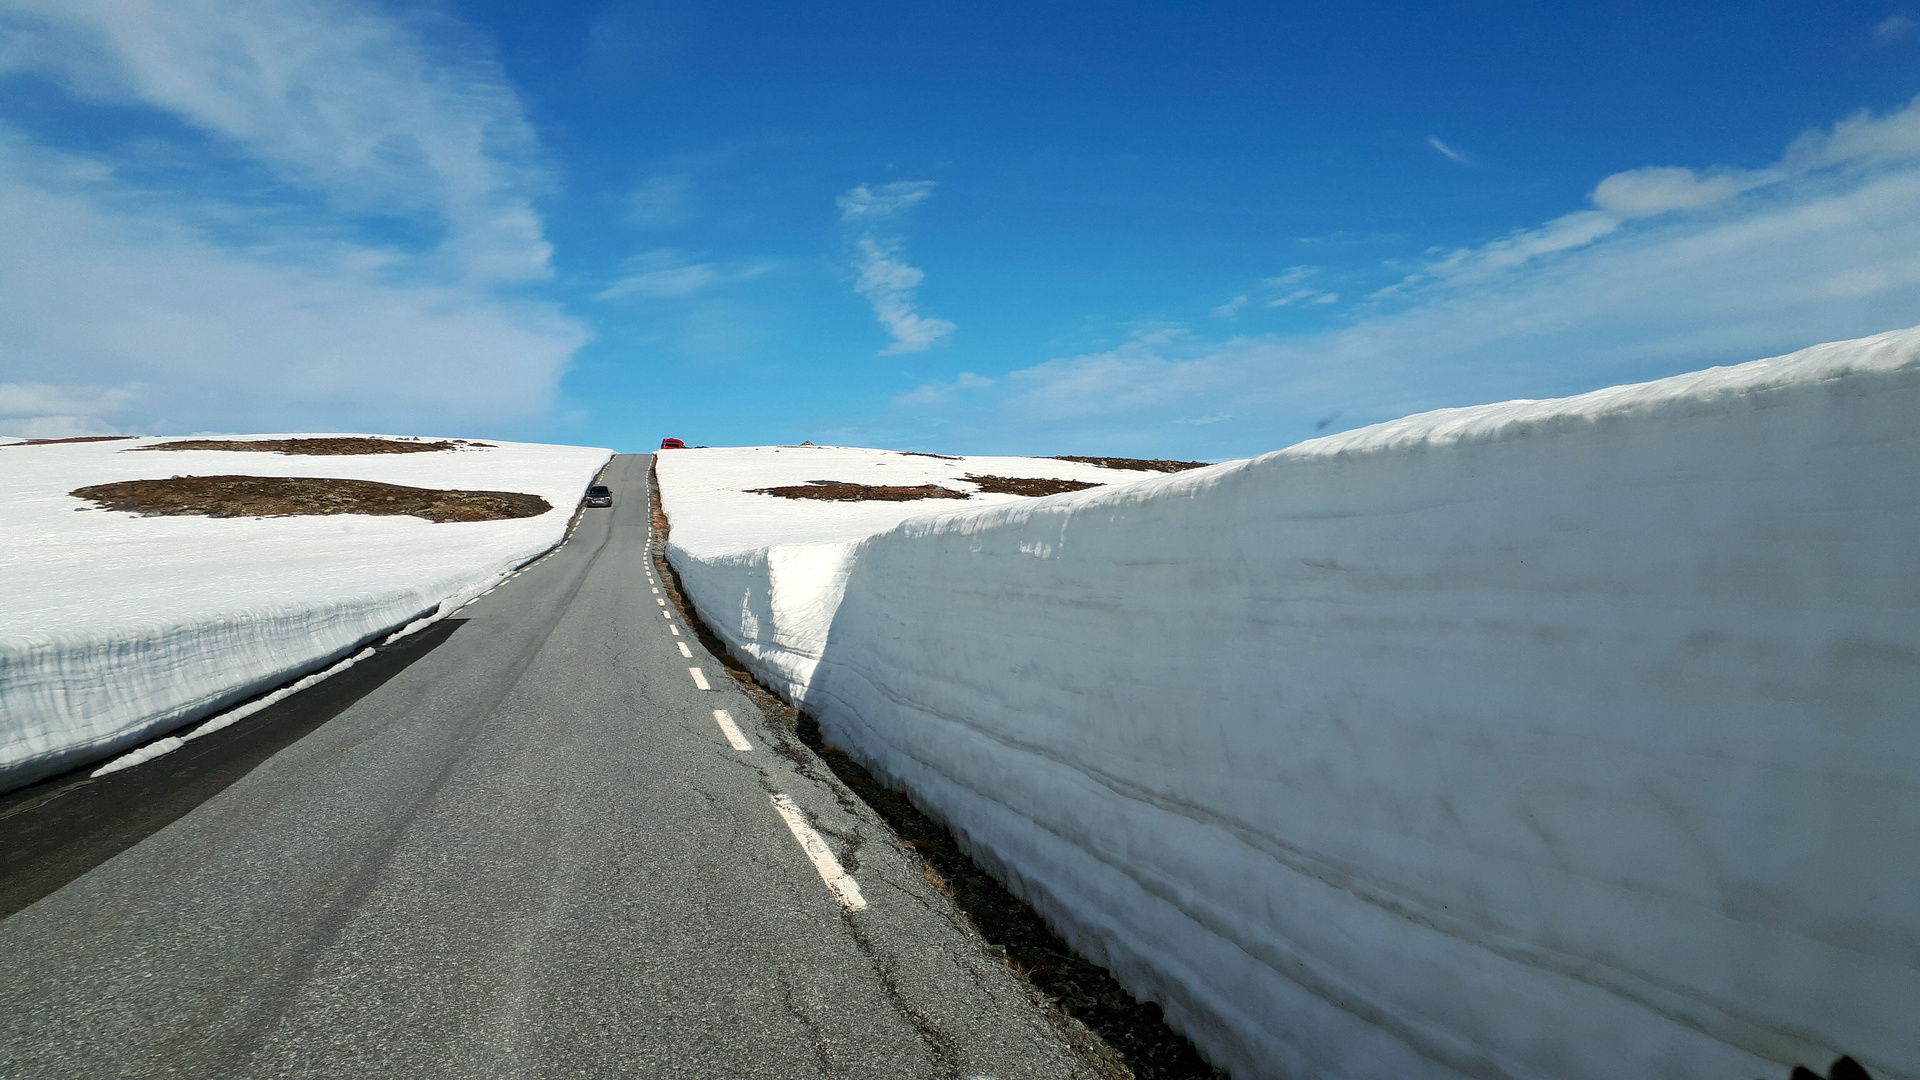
x: 1557, y: 739
x: 117, y: 628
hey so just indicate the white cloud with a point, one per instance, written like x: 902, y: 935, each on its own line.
x: 1891, y: 29
x: 44, y: 411
x: 262, y: 313
x: 882, y: 276
x: 1297, y: 295
x: 1449, y: 152
x: 1827, y: 247
x: 30, y: 399
x: 335, y: 96
x: 938, y: 393
x: 311, y: 334
x: 1645, y: 192
x: 1862, y: 140
x: 1286, y: 285
x: 866, y: 203
x: 661, y: 274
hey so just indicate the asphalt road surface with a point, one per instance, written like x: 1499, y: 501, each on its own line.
x: 530, y: 852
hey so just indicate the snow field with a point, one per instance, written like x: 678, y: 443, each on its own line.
x: 116, y: 628
x: 1562, y: 739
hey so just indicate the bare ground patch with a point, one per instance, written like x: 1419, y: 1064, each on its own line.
x: 322, y: 445
x: 1031, y: 486
x: 1136, y: 464
x: 841, y: 491
x: 290, y: 496
x: 73, y: 439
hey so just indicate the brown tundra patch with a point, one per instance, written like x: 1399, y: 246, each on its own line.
x: 293, y: 496
x: 841, y: 491
x: 327, y: 446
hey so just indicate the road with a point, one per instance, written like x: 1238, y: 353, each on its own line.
x: 530, y: 852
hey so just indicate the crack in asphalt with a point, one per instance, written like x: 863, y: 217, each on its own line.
x: 816, y: 1039
x: 937, y: 1042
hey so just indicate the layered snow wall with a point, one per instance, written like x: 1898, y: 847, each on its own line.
x: 117, y: 628
x: 1560, y: 739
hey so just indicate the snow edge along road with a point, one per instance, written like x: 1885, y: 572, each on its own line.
x: 158, y: 677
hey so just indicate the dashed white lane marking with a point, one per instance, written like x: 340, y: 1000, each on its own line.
x: 699, y: 678
x: 666, y: 614
x: 656, y: 591
x: 731, y: 730
x: 660, y: 601
x: 845, y: 889
x: 684, y: 651
x: 675, y: 629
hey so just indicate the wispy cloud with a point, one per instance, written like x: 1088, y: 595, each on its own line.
x: 883, y: 275
x: 936, y: 393
x: 296, y: 307
x: 866, y: 203
x: 338, y: 97
x: 668, y: 196
x: 1670, y: 270
x: 662, y: 274
x: 1891, y: 29
x: 1449, y: 152
x: 1281, y: 290
x: 1814, y: 161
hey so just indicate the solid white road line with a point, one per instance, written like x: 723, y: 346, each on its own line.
x: 684, y: 651
x: 699, y: 678
x: 845, y: 889
x: 731, y: 730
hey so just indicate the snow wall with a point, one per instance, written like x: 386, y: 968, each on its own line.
x: 72, y: 696
x: 1563, y: 739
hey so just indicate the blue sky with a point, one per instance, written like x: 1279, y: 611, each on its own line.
x: 1191, y: 230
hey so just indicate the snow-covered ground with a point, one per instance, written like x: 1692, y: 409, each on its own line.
x: 777, y: 564
x: 116, y: 628
x: 1555, y: 739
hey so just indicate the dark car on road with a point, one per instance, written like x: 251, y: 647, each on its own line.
x: 599, y: 495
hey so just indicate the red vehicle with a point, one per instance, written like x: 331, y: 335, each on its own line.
x: 673, y: 444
